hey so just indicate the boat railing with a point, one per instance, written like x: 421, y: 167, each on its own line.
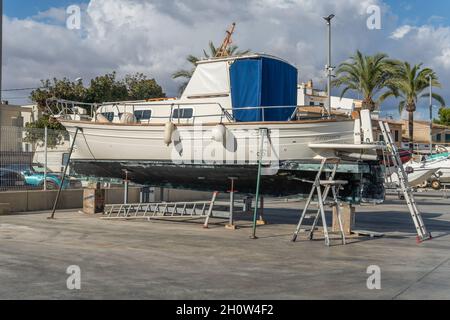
x: 223, y: 115
x: 67, y: 109
x: 225, y: 112
x: 61, y: 107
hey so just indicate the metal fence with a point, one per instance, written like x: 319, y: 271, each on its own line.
x: 34, y: 159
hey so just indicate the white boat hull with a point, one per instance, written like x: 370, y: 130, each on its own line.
x: 290, y: 141
x: 107, y: 150
x: 440, y: 167
x: 416, y: 178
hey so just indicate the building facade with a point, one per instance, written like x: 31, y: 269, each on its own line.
x: 422, y: 136
x: 396, y: 130
x: 308, y: 96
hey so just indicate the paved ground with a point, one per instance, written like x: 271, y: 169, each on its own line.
x: 164, y: 260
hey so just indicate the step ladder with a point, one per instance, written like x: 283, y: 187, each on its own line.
x: 330, y: 185
x: 158, y: 210
x: 405, y: 188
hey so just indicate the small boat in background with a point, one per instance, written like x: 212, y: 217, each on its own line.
x: 416, y: 175
x: 438, y: 162
x: 434, y: 169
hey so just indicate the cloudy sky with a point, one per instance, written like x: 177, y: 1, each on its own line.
x: 155, y: 36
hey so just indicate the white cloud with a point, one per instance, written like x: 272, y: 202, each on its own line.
x: 444, y: 58
x: 154, y: 37
x: 401, y: 32
x: 52, y: 14
x: 428, y: 45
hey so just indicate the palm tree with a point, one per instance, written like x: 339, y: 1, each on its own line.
x: 187, y: 74
x: 409, y: 84
x: 367, y: 75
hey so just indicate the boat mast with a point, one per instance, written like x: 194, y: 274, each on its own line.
x: 223, y: 50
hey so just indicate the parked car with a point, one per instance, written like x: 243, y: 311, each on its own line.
x: 35, y: 176
x: 11, y: 179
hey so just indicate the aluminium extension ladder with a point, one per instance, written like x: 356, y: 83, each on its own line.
x: 330, y: 185
x: 165, y: 210
x: 405, y: 188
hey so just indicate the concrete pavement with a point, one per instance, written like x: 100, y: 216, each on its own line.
x: 167, y: 260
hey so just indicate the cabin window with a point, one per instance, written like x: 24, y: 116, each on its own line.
x: 108, y: 115
x: 182, y: 113
x: 447, y: 138
x: 397, y: 136
x: 143, y: 115
x: 438, y: 137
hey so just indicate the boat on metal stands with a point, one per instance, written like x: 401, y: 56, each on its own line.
x: 234, y: 112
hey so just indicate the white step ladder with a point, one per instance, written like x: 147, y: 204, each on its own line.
x: 165, y: 210
x: 330, y: 185
x: 405, y: 188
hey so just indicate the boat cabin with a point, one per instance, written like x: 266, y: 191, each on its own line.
x: 250, y: 88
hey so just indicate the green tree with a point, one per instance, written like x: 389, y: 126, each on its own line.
x: 106, y: 88
x: 410, y: 84
x: 61, y: 89
x: 102, y: 89
x: 444, y: 117
x: 139, y: 87
x: 187, y: 74
x: 368, y: 75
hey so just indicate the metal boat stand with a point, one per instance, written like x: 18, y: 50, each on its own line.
x: 231, y: 225
x: 162, y: 210
x: 63, y: 180
x: 261, y: 221
x: 263, y: 132
x: 330, y: 185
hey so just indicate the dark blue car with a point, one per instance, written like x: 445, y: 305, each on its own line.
x: 10, y: 179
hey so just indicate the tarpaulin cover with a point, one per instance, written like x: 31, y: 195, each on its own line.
x: 263, y: 82
x: 208, y: 78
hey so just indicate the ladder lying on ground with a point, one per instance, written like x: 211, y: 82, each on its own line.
x: 148, y: 211
x: 405, y: 188
x: 330, y: 185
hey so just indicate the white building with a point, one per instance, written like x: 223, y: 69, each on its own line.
x: 11, y: 127
x: 14, y: 148
x: 308, y: 96
x: 30, y: 113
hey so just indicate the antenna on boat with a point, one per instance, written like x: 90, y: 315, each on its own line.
x: 223, y: 50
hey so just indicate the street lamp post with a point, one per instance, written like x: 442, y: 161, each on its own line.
x: 1, y: 48
x: 328, y: 67
x: 431, y: 113
x: 1, y: 60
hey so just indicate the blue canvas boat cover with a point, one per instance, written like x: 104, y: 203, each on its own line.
x: 263, y: 82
